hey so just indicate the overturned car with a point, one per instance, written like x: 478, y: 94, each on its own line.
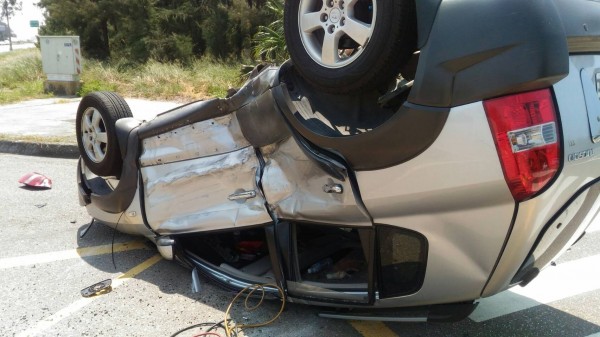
x: 467, y: 177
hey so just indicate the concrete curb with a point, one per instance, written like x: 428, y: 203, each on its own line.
x: 55, y: 150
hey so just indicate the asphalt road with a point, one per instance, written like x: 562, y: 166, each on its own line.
x: 5, y: 47
x: 44, y: 265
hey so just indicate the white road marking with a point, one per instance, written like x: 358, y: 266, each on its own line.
x: 553, y: 284
x: 595, y: 226
x: 72, y: 308
x: 27, y: 260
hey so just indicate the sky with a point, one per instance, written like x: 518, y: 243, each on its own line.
x: 20, y: 22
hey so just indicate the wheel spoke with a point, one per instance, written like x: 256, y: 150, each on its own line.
x: 329, y: 52
x: 102, y: 137
x: 350, y: 3
x: 87, y: 123
x: 86, y: 142
x: 98, y: 153
x: 91, y: 151
x: 96, y: 119
x: 358, y: 31
x: 311, y: 22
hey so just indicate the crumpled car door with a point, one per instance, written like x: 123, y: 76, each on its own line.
x: 201, y: 177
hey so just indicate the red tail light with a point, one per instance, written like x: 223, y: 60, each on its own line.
x: 526, y: 133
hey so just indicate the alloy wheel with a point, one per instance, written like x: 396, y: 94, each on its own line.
x: 335, y: 32
x: 94, y: 136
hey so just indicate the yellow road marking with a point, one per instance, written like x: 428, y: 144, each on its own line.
x: 131, y: 273
x: 372, y: 329
x: 20, y: 261
x: 72, y: 308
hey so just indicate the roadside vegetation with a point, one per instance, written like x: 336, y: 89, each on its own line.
x: 21, y: 78
x: 201, y: 79
x: 173, y: 50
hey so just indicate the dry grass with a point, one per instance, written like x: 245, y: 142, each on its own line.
x: 21, y: 78
x: 154, y: 80
x: 38, y: 139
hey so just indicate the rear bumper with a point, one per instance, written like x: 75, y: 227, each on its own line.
x: 562, y: 231
x: 92, y: 189
x: 539, y: 236
x: 548, y: 224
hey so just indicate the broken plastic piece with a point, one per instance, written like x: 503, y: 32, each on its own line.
x: 196, y: 288
x: 99, y: 288
x: 36, y: 180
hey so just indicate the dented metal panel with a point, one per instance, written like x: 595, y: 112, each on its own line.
x: 206, y: 138
x: 194, y: 195
x: 296, y: 188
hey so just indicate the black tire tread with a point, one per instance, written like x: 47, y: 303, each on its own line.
x: 388, y: 60
x: 115, y: 108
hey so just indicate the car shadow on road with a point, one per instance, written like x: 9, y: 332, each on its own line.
x: 172, y: 278
x: 542, y: 320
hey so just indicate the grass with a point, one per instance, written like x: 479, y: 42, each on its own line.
x: 21, y: 78
x: 38, y: 139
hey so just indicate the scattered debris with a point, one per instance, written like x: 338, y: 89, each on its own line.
x: 36, y: 180
x: 84, y: 231
x: 99, y: 288
x: 41, y: 205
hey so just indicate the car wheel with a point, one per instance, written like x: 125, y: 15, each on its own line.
x: 95, y: 128
x: 343, y: 46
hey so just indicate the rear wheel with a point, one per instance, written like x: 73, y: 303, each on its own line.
x: 96, y: 136
x: 344, y: 46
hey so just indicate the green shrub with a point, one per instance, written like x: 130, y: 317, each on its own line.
x: 21, y: 78
x: 270, y: 40
x: 21, y: 75
x: 95, y: 85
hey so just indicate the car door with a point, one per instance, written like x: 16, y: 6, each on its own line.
x: 310, y: 192
x: 201, y: 177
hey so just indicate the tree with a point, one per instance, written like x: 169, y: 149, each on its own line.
x: 9, y: 8
x: 100, y: 24
x: 270, y: 39
x: 132, y: 31
x: 85, y: 18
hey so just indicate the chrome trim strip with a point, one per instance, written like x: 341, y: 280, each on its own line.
x: 375, y: 318
x: 225, y: 279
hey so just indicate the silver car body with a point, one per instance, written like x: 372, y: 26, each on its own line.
x: 207, y: 176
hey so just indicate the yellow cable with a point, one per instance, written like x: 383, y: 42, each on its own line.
x: 229, y: 328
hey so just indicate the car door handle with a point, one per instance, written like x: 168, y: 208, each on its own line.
x: 243, y: 195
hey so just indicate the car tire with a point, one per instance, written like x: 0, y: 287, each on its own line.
x: 95, y: 127
x: 384, y: 35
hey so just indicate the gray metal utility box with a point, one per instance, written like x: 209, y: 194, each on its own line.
x: 62, y: 63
